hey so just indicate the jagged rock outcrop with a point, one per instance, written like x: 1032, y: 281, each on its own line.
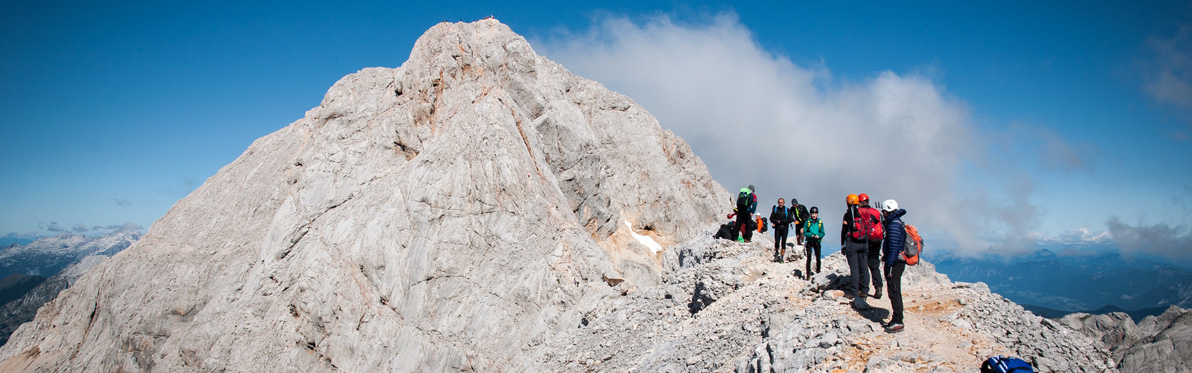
x: 449, y: 214
x: 1156, y: 344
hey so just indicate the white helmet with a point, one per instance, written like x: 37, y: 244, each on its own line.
x: 889, y: 205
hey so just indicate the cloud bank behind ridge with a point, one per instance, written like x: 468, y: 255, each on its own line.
x: 758, y: 118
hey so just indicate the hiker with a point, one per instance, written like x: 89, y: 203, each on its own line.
x: 892, y: 247
x: 746, y: 206
x: 814, y: 231
x: 798, y: 216
x: 875, y: 245
x: 854, y: 245
x: 780, y: 218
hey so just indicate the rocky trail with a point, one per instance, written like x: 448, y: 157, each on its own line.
x: 728, y: 307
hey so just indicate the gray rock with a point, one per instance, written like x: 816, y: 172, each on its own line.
x: 433, y: 217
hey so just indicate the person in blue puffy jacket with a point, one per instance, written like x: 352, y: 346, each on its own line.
x: 894, y: 238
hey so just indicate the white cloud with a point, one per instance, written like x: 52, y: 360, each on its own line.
x: 757, y: 118
x: 1170, y: 78
x: 1163, y: 240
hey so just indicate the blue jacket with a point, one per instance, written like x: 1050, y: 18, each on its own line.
x: 895, y: 237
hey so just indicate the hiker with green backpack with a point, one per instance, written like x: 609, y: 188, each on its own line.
x: 895, y: 238
x: 746, y: 206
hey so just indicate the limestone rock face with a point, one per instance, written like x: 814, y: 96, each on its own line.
x: 445, y: 215
x: 1156, y: 344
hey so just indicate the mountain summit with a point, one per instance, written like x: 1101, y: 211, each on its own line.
x: 447, y: 214
x: 481, y: 209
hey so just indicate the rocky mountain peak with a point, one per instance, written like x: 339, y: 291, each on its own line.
x: 481, y: 208
x: 447, y: 214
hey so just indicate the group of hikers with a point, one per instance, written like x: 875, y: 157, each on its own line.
x: 869, y: 237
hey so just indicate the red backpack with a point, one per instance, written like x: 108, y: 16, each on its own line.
x: 875, y: 229
x: 866, y: 225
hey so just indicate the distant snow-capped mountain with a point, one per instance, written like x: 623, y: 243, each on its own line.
x: 63, y: 259
x: 46, y: 256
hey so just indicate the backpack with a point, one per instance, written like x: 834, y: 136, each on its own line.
x: 762, y: 225
x: 856, y: 228
x: 1002, y: 364
x: 912, y: 246
x: 743, y: 200
x: 783, y: 218
x: 801, y: 214
x: 725, y: 231
x: 875, y: 217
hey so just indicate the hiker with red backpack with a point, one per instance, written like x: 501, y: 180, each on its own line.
x: 746, y: 206
x: 895, y: 265
x: 780, y: 218
x: 854, y: 244
x: 875, y: 244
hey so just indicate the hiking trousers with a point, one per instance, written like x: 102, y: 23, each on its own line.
x: 780, y: 238
x: 799, y: 233
x: 894, y: 289
x: 812, y: 244
x: 858, y: 260
x: 875, y: 265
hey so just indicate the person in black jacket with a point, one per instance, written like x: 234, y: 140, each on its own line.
x: 856, y: 251
x: 798, y: 217
x: 891, y: 248
x: 780, y: 218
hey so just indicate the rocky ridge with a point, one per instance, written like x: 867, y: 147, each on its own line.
x: 480, y: 208
x: 728, y: 307
x: 1156, y: 344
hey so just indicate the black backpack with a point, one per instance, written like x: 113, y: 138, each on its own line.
x: 743, y: 200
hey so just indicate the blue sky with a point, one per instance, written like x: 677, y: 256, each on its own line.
x: 1075, y: 116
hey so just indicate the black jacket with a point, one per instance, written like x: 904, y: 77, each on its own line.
x: 780, y: 217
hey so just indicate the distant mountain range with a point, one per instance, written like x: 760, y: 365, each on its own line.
x: 1054, y: 285
x: 49, y: 255
x: 63, y: 258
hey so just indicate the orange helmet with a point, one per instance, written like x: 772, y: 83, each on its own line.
x: 864, y: 198
x: 851, y: 199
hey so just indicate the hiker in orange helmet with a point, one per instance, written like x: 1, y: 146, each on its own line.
x: 854, y: 245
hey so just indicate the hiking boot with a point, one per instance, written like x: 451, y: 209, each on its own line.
x: 894, y: 327
x: 877, y: 295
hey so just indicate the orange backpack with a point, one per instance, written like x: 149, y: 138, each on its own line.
x: 912, y: 246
